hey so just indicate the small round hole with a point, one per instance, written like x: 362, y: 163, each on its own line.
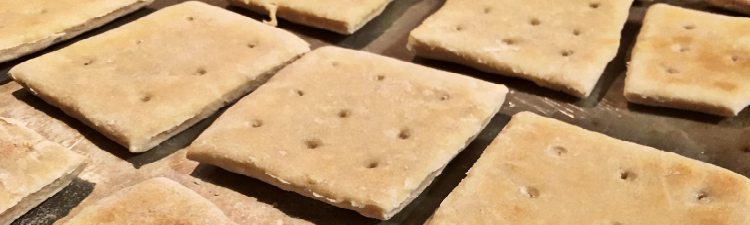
x: 404, y: 134
x: 459, y: 28
x: 487, y: 10
x: 312, y: 182
x: 627, y: 175
x: 299, y: 92
x: 445, y: 97
x: 372, y: 165
x: 200, y: 72
x: 577, y: 32
x: 380, y: 77
x: 146, y: 98
x: 138, y: 42
x: 557, y: 150
x: 313, y: 143
x: 672, y: 70
x: 251, y: 45
x: 335, y: 64
x: 190, y: 18
x: 702, y: 197
x: 257, y: 123
x: 595, y: 5
x: 535, y: 22
x: 344, y: 113
x: 735, y: 58
x: 566, y: 53
x: 529, y: 192
x: 688, y: 27
x: 88, y: 62
x: 684, y: 48
x: 509, y: 41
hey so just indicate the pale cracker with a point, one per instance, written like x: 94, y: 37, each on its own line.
x: 340, y: 16
x: 156, y: 201
x: 32, y: 169
x: 32, y: 25
x: 563, y: 44
x: 146, y: 81
x: 350, y: 128
x: 544, y: 171
x: 691, y: 60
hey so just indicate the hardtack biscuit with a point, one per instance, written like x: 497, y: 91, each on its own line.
x: 350, y: 128
x: 146, y: 81
x: 544, y: 171
x: 344, y: 17
x: 691, y: 60
x: 562, y: 44
x: 32, y: 169
x: 157, y: 201
x: 32, y: 25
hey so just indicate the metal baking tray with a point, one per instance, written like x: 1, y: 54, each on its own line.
x: 722, y: 141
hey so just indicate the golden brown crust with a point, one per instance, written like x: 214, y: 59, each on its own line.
x: 31, y: 169
x: 350, y: 128
x: 24, y: 33
x: 691, y: 60
x: 131, y: 83
x: 157, y: 201
x: 563, y: 45
x: 544, y: 171
x: 344, y: 17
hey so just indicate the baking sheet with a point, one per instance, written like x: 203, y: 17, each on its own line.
x: 721, y: 141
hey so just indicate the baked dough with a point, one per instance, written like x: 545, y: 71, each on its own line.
x: 157, y: 201
x: 742, y: 6
x: 691, y: 60
x: 561, y: 44
x: 544, y: 171
x: 32, y: 169
x: 32, y: 25
x: 350, y: 128
x: 340, y: 16
x: 148, y: 80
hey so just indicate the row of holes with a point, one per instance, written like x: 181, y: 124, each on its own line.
x: 625, y: 175
x: 593, y: 5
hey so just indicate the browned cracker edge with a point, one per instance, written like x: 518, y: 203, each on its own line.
x: 660, y: 101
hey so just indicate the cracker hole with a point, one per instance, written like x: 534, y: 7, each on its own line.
x: 313, y: 143
x: 487, y: 10
x: 43, y: 11
x: 671, y: 70
x: 557, y: 150
x: 200, y: 72
x: 595, y: 5
x: 146, y: 98
x: 372, y: 165
x: 335, y: 64
x: 735, y: 58
x: 577, y: 32
x: 257, y: 123
x: 529, y: 192
x: 459, y: 28
x: 299, y: 92
x: 344, y: 113
x: 138, y: 42
x: 190, y: 18
x: 684, y: 48
x: 379, y: 77
x: 509, y: 41
x: 445, y: 97
x: 688, y: 27
x: 404, y: 134
x: 312, y: 182
x: 627, y: 175
x: 88, y: 62
x: 535, y: 22
x: 702, y: 197
x: 250, y: 45
x: 566, y: 53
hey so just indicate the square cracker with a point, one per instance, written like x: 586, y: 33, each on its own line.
x: 32, y: 25
x: 544, y: 171
x: 691, y: 60
x: 148, y: 80
x: 155, y: 201
x: 344, y: 17
x: 562, y: 44
x: 350, y: 128
x: 742, y: 6
x: 32, y: 169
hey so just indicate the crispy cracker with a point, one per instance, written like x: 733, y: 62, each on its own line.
x: 563, y: 44
x: 32, y: 169
x: 742, y: 6
x: 544, y: 171
x: 32, y: 25
x: 155, y: 201
x: 352, y: 129
x: 691, y: 60
x: 146, y: 81
x: 344, y: 17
